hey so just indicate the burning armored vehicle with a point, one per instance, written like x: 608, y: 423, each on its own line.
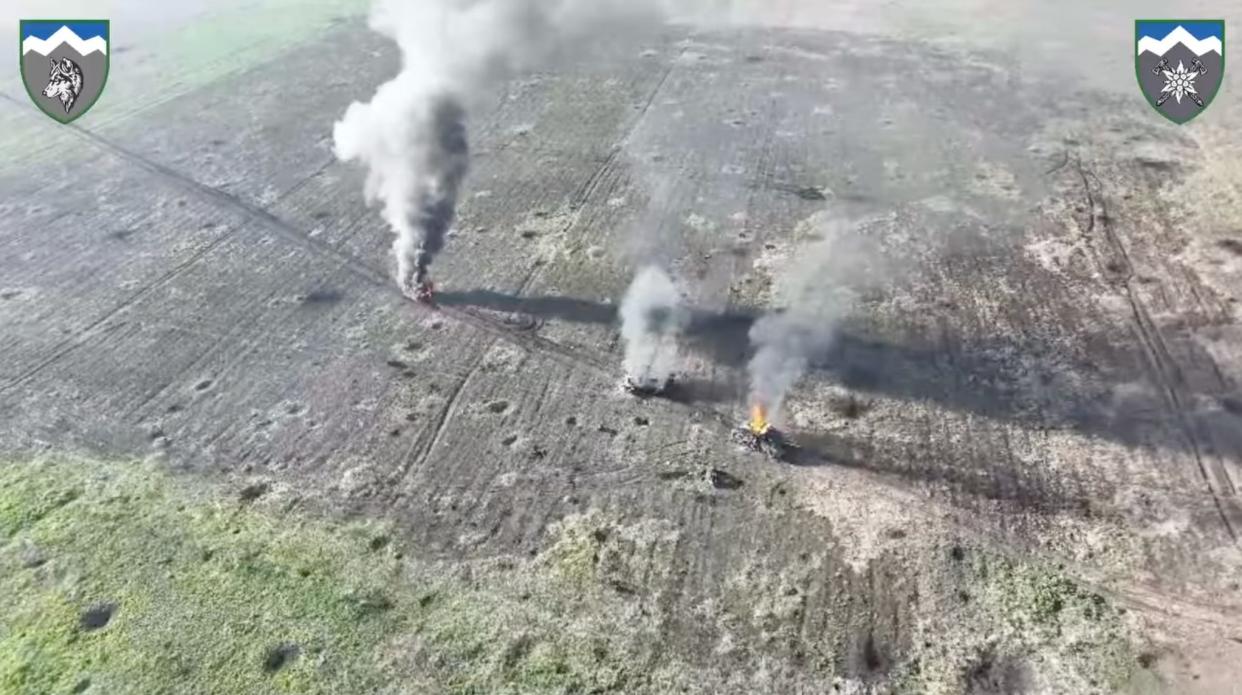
x: 758, y: 434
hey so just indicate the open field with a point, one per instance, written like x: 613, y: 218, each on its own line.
x: 1019, y: 462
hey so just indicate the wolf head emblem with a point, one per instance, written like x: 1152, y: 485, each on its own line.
x: 64, y: 82
x: 64, y: 64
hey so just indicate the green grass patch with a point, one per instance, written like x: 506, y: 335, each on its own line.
x: 117, y: 578
x: 207, y: 594
x: 1020, y: 625
x: 1081, y: 633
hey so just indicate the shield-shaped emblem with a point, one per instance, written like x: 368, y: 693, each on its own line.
x: 64, y: 64
x: 1180, y: 63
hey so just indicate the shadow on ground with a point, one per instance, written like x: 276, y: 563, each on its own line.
x: 964, y: 482
x: 1000, y: 379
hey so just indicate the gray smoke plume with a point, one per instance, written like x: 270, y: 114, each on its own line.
x: 653, y: 317
x: 416, y: 169
x: 814, y: 300
x: 787, y: 341
x: 412, y: 135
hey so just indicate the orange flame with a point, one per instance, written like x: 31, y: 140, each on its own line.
x: 759, y: 419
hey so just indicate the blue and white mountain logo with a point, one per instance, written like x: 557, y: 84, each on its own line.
x: 64, y: 64
x: 1180, y: 63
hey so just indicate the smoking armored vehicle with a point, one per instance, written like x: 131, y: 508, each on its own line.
x: 647, y: 386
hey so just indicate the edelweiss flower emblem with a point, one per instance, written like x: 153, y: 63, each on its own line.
x: 1180, y: 82
x: 1179, y: 64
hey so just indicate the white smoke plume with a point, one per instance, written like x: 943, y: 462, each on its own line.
x: 785, y: 343
x: 412, y: 135
x: 815, y: 299
x: 653, y: 317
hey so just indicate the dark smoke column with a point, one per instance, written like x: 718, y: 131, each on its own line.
x: 411, y: 136
x: 448, y: 160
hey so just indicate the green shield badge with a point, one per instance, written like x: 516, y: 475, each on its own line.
x: 1180, y: 63
x: 64, y: 64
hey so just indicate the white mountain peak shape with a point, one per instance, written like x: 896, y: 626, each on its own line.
x: 64, y: 35
x: 1180, y: 35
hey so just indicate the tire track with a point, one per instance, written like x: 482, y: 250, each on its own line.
x: 216, y: 346
x: 355, y: 267
x: 1167, y: 372
x: 411, y: 460
x: 588, y: 188
x: 480, y: 490
x: 83, y: 336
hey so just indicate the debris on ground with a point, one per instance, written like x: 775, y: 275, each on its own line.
x: 758, y: 434
x: 424, y: 292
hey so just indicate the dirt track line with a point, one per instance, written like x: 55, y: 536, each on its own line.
x: 494, y: 472
x: 239, y: 327
x: 91, y: 330
x: 1164, y: 366
x: 216, y: 344
x: 589, y: 186
x: 361, y: 270
x: 411, y: 461
x: 354, y: 266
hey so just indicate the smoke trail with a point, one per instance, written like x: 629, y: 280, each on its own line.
x: 416, y: 167
x: 412, y: 135
x: 817, y: 297
x: 653, y: 316
x: 787, y: 341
